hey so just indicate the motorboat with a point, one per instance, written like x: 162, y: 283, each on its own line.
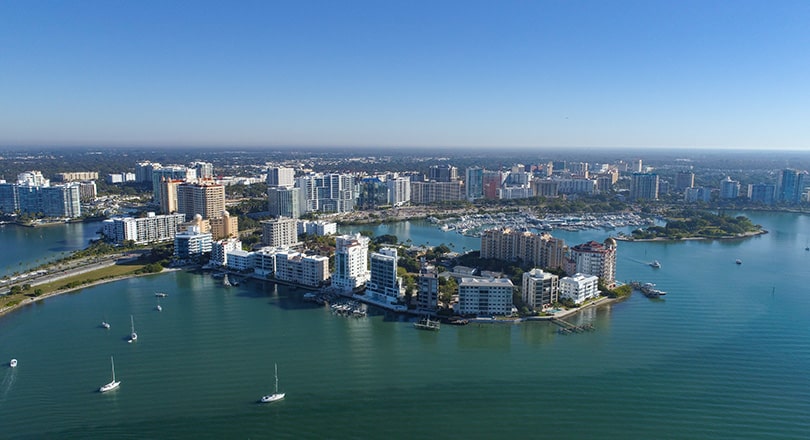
x: 12, y: 363
x: 133, y: 336
x: 655, y: 264
x: 738, y: 261
x: 105, y: 324
x: 161, y: 294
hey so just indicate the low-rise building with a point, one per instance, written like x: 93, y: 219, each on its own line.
x: 191, y: 243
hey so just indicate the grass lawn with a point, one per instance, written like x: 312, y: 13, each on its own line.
x: 74, y: 281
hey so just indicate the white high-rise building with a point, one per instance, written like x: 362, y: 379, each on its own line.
x: 281, y: 177
x: 351, y: 262
x: 399, y: 190
x: 540, y: 289
x: 384, y: 280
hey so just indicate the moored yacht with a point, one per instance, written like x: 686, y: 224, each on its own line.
x: 276, y: 395
x: 113, y: 383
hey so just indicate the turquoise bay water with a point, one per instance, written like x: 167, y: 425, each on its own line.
x: 35, y: 246
x: 724, y: 355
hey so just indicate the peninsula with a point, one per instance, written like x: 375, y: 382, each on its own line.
x: 692, y: 224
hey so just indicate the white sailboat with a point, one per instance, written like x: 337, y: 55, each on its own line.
x: 133, y: 336
x: 114, y: 383
x: 276, y: 395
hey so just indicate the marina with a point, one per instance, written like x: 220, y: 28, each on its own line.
x: 474, y: 225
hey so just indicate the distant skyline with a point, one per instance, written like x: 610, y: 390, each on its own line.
x: 520, y: 74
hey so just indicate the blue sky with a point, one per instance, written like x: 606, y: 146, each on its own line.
x: 719, y: 74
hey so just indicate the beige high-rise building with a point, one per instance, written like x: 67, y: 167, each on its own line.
x: 224, y: 226
x: 280, y: 232
x: 167, y: 195
x: 206, y: 198
x: 538, y: 249
x: 594, y: 258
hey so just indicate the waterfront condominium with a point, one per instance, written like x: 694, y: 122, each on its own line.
x: 764, y: 193
x: 220, y: 250
x: 191, y: 243
x: 579, y: 287
x: 143, y: 230
x: 791, y: 186
x: 511, y: 245
x: 295, y: 267
x: 427, y: 297
x: 729, y: 189
x: 594, y: 258
x: 491, y: 296
x: 540, y: 289
x: 351, y: 262
x: 383, y: 281
x: 644, y: 186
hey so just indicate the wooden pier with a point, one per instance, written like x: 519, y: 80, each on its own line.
x: 566, y: 328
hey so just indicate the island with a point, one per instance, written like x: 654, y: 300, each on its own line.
x: 693, y: 224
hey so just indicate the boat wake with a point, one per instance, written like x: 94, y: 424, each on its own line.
x: 8, y: 383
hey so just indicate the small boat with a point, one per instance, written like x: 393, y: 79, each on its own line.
x: 105, y: 324
x: 114, y: 383
x: 225, y: 281
x: 276, y: 396
x: 427, y: 324
x: 158, y: 308
x: 655, y: 264
x: 12, y: 363
x: 133, y: 336
x: 161, y: 294
x: 738, y: 261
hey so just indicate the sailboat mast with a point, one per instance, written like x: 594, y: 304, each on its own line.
x: 276, y: 378
x: 113, y: 367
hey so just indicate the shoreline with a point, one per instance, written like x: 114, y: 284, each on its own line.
x: 559, y: 315
x: 728, y: 237
x: 28, y: 301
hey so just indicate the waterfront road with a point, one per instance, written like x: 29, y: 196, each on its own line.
x: 68, y: 269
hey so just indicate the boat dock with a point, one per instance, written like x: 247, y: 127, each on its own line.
x: 566, y: 328
x: 648, y: 289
